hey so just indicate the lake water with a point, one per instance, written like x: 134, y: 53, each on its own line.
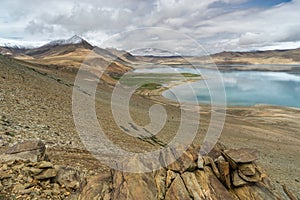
x: 242, y: 88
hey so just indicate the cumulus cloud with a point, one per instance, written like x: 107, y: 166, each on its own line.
x: 215, y: 24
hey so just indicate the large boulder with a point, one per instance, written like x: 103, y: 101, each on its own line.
x: 33, y: 151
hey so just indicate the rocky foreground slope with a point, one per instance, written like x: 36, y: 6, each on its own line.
x: 27, y: 173
x: 36, y: 104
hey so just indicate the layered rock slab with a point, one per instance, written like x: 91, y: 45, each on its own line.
x: 224, y: 174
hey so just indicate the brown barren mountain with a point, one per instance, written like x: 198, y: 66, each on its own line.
x: 67, y: 56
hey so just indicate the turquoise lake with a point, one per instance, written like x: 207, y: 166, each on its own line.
x: 242, y: 88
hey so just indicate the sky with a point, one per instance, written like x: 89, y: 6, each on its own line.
x: 178, y: 25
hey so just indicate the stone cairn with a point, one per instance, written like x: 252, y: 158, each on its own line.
x: 27, y: 173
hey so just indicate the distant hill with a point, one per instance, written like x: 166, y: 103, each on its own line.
x: 291, y: 56
x: 70, y: 54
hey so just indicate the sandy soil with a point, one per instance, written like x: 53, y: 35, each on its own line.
x: 38, y: 105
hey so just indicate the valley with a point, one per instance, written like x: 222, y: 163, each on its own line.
x: 36, y: 103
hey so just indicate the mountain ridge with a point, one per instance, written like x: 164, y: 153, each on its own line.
x: 72, y: 51
x: 73, y: 40
x: 78, y: 40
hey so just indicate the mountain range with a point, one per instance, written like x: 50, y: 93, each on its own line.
x: 69, y: 54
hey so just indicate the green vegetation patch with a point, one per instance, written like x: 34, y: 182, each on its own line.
x: 116, y: 77
x: 151, y: 86
x: 190, y: 75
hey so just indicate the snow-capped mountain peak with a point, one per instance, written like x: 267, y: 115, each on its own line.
x: 15, y: 46
x: 73, y: 40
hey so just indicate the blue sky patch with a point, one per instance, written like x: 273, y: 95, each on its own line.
x: 264, y: 3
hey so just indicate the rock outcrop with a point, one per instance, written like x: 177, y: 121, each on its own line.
x: 222, y: 174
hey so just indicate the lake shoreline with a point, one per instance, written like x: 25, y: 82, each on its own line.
x: 243, y: 88
x: 288, y: 68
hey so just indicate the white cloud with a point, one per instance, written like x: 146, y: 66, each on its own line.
x: 216, y: 24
